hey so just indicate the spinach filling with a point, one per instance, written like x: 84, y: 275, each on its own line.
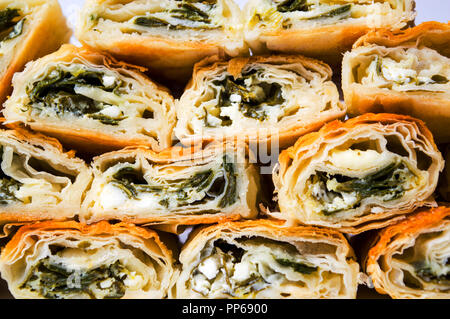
x: 11, y: 24
x: 187, y: 15
x: 57, y: 92
x: 228, y: 257
x: 8, y: 186
x: 53, y: 281
x: 388, y: 183
x: 209, y: 183
x: 252, y: 94
x: 426, y: 272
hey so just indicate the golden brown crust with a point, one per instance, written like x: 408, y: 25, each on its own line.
x: 404, y: 231
x: 430, y: 34
x: 99, y: 229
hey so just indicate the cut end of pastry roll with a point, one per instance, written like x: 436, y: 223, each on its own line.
x: 91, y: 101
x: 38, y: 179
x: 265, y: 99
x: 404, y: 72
x: 176, y: 186
x: 264, y: 259
x: 69, y: 260
x: 358, y: 175
x: 319, y: 28
x: 410, y: 259
x: 167, y: 36
x: 24, y: 25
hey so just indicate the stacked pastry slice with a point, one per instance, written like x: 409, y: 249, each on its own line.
x: 167, y: 36
x: 72, y: 260
x: 179, y: 186
x: 38, y: 180
x: 403, y: 71
x: 410, y: 259
x: 91, y: 101
x: 24, y: 24
x: 273, y: 99
x: 320, y: 28
x: 263, y: 259
x: 361, y: 174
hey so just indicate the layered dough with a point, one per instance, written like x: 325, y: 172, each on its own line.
x: 405, y: 72
x: 271, y: 99
x: 410, y: 259
x: 178, y: 186
x: 167, y: 36
x: 38, y: 179
x: 357, y: 175
x: 264, y: 259
x: 23, y: 26
x: 319, y: 28
x: 57, y: 260
x: 91, y: 101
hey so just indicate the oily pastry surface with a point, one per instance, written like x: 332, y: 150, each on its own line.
x: 91, y: 101
x: 319, y: 28
x: 357, y: 175
x: 264, y: 259
x: 179, y: 186
x: 38, y: 179
x: 25, y: 23
x: 167, y: 36
x: 262, y: 99
x: 77, y: 261
x: 410, y: 259
x: 403, y: 71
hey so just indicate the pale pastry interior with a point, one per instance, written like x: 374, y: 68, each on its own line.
x: 401, y: 69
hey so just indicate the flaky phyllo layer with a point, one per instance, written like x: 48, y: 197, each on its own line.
x: 253, y: 263
x: 270, y: 15
x: 401, y: 69
x: 272, y: 96
x: 79, y: 87
x: 210, y: 20
x: 56, y: 261
x: 410, y: 260
x: 38, y: 180
x: 360, y: 174
x: 146, y: 187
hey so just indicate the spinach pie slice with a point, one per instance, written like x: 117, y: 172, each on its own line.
x: 167, y: 36
x: 263, y: 99
x: 38, y: 179
x: 91, y: 101
x: 29, y: 29
x: 69, y: 260
x: 263, y: 259
x: 404, y: 72
x: 323, y: 29
x: 362, y: 174
x: 410, y: 260
x: 179, y: 186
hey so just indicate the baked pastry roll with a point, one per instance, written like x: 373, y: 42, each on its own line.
x: 177, y: 186
x: 70, y: 260
x: 319, y: 28
x: 258, y: 99
x: 38, y: 179
x: 91, y: 101
x: 357, y: 175
x: 410, y: 259
x: 405, y: 72
x: 23, y: 26
x: 166, y: 36
x: 264, y: 259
